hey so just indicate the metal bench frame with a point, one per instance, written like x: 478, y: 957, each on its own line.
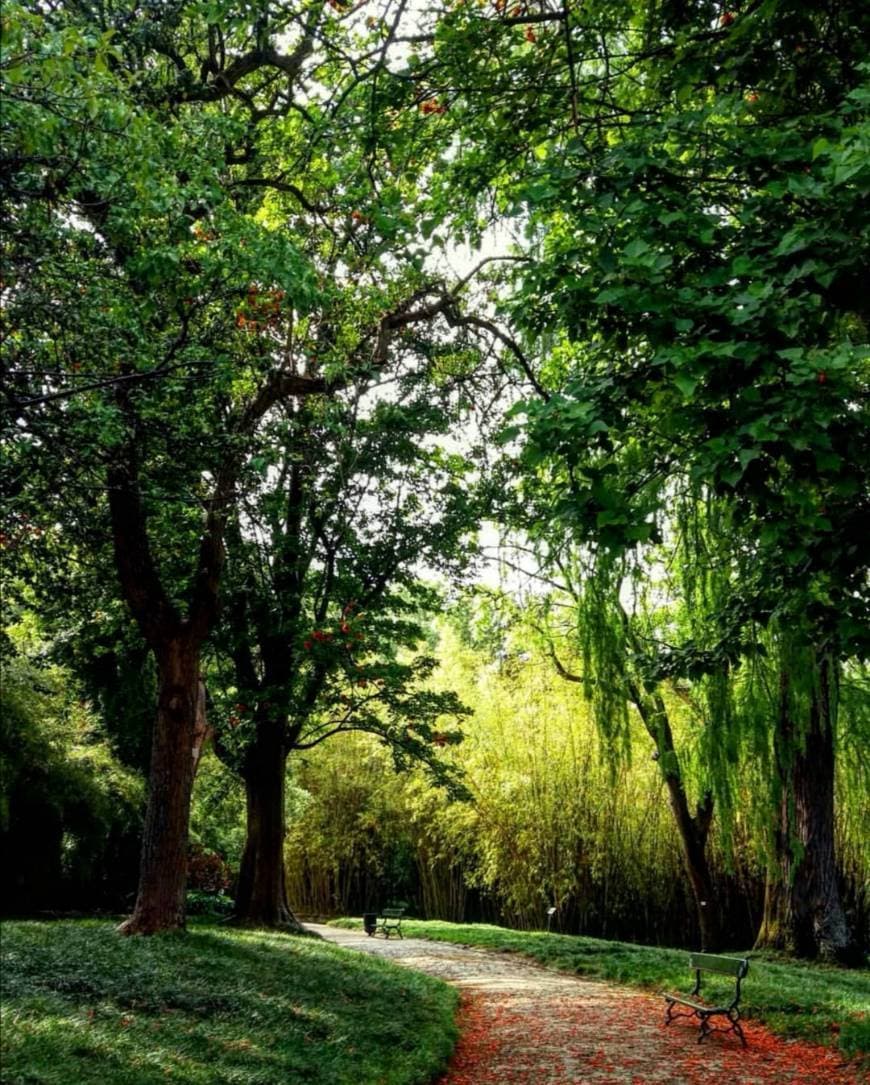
x: 708, y: 962
x: 388, y: 921
x: 391, y: 920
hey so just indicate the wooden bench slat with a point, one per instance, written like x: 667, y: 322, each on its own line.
x: 725, y: 966
x: 680, y: 1001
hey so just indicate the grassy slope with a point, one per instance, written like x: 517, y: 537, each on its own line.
x: 816, y: 1002
x: 82, y: 1005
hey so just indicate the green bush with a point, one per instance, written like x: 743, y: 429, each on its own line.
x: 70, y: 812
x: 202, y: 902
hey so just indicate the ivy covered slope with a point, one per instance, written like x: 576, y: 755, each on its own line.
x: 215, y: 1006
x: 816, y: 1002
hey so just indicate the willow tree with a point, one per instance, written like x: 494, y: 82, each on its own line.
x: 141, y: 281
x: 694, y: 186
x: 638, y: 632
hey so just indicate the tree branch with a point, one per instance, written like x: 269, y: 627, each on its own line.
x: 140, y: 582
x: 279, y: 185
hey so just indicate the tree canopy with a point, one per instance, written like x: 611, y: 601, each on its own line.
x: 296, y: 297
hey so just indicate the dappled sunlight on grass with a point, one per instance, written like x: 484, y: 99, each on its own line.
x: 83, y: 1005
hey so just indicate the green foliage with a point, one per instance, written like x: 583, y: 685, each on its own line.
x: 203, y: 902
x: 852, y: 768
x: 551, y: 823
x: 82, y: 1005
x: 217, y: 820
x: 197, y: 250
x: 758, y: 697
x: 178, y: 250
x: 347, y: 832
x: 554, y: 818
x: 694, y: 283
x: 69, y: 810
x: 216, y: 322
x: 548, y: 821
x: 326, y: 617
x: 695, y: 228
x: 817, y: 1002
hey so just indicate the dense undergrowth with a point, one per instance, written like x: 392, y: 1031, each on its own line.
x: 821, y: 1003
x: 82, y: 1005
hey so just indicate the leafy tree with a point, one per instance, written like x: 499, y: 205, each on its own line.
x: 324, y: 604
x: 153, y: 291
x: 620, y: 648
x: 695, y: 197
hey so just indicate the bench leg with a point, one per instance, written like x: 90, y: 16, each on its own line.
x: 703, y: 1017
x: 734, y: 1018
x: 671, y: 1013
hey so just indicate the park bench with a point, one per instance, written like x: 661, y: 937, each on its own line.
x: 388, y: 921
x: 723, y: 966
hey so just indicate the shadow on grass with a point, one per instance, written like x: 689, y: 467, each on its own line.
x: 83, y: 1005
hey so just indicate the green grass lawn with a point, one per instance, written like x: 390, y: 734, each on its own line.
x: 816, y: 1002
x: 82, y: 1005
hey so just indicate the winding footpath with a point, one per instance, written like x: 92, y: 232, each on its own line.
x: 522, y: 1024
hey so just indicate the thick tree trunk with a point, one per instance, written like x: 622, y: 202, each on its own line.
x: 261, y: 897
x: 163, y: 869
x: 803, y: 914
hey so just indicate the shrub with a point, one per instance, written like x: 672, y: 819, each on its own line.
x: 200, y: 902
x: 207, y: 871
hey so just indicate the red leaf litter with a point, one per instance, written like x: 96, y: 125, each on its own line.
x: 522, y: 1024
x: 624, y: 1043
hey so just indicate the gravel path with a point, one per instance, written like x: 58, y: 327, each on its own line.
x: 522, y: 1024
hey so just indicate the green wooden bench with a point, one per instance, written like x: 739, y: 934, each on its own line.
x: 388, y: 921
x: 391, y: 921
x: 723, y: 966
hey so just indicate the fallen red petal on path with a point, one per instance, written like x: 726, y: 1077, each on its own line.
x: 504, y: 1040
x: 521, y: 1024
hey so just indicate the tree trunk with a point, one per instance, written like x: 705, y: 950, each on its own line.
x: 693, y: 842
x: 163, y: 868
x: 803, y: 914
x: 202, y: 731
x: 771, y: 933
x: 261, y: 897
x: 694, y: 829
